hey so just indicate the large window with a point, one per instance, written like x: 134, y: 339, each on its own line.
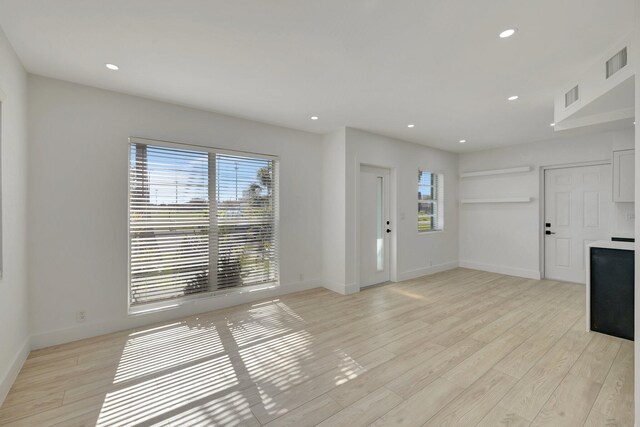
x: 430, y: 201
x: 200, y: 221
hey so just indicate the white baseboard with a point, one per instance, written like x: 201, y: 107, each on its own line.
x: 340, y: 288
x: 501, y: 269
x: 196, y: 306
x: 9, y: 376
x: 425, y: 271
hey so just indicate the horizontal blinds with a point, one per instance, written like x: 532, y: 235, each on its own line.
x: 246, y: 224
x: 428, y: 186
x: 190, y: 210
x: 169, y: 222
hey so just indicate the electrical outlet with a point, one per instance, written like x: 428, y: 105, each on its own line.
x: 301, y: 277
x: 81, y: 316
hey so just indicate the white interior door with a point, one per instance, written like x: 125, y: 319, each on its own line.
x: 374, y: 225
x: 578, y: 208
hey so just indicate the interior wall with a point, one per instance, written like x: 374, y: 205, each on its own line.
x: 14, y: 317
x: 417, y: 253
x: 505, y: 238
x: 333, y: 210
x: 78, y: 202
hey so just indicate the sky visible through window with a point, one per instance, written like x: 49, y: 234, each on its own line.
x: 184, y: 179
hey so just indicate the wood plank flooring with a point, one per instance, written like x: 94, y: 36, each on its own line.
x: 458, y: 348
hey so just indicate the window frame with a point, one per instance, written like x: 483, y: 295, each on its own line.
x: 150, y: 307
x: 437, y: 201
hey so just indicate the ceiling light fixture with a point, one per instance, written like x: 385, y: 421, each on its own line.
x: 507, y: 33
x: 462, y: 141
x: 411, y: 126
x: 314, y: 117
x: 112, y: 67
x: 513, y: 98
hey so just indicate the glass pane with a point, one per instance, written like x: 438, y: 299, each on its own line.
x: 427, y: 201
x: 380, y: 225
x: 425, y: 193
x: 245, y: 215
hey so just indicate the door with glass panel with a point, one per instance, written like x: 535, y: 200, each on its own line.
x: 375, y: 226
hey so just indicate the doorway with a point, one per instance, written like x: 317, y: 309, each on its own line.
x: 577, y: 211
x: 375, y: 225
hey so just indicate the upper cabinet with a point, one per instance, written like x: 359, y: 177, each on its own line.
x: 624, y: 176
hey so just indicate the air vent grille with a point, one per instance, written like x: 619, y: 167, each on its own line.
x: 571, y: 96
x: 616, y: 62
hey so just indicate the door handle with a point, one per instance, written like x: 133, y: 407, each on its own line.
x: 388, y: 230
x: 549, y: 232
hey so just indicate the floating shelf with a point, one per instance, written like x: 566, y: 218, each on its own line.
x: 495, y: 172
x: 497, y: 200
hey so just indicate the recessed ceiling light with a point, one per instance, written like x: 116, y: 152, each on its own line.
x: 513, y: 98
x: 552, y: 124
x: 462, y: 141
x: 507, y: 33
x: 112, y: 67
x: 314, y: 117
x: 411, y: 126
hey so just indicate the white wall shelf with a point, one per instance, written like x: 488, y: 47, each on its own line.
x: 497, y: 200
x: 495, y: 172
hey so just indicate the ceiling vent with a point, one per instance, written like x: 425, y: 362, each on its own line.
x: 571, y: 96
x: 617, y: 62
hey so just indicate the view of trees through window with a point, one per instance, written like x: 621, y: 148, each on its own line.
x: 189, y: 210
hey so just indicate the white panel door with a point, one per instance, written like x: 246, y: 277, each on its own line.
x: 374, y: 225
x: 577, y: 211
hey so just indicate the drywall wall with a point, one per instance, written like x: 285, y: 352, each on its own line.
x: 78, y: 157
x: 333, y: 210
x: 14, y: 318
x: 417, y: 254
x: 505, y: 238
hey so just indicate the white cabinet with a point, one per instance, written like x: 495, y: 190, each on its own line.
x: 623, y: 175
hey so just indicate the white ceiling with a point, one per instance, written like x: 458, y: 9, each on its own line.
x: 376, y: 65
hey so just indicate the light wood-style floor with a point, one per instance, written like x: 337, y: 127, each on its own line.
x: 458, y: 348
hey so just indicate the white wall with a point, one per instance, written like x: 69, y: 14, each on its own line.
x: 417, y: 253
x: 505, y: 238
x: 333, y: 210
x: 14, y: 318
x: 78, y: 157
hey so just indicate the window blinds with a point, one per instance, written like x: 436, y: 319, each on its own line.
x: 245, y: 194
x: 190, y: 210
x: 430, y: 207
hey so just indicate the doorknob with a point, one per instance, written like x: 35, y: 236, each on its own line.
x: 549, y: 232
x: 388, y: 230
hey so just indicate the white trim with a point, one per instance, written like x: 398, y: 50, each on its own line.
x: 198, y: 306
x: 495, y: 172
x: 497, y: 200
x: 425, y: 271
x: 501, y: 269
x: 11, y: 373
